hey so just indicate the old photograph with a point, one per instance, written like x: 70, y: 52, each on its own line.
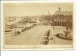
x: 38, y: 25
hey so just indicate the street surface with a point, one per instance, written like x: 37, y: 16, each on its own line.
x: 34, y: 36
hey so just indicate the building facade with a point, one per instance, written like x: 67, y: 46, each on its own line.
x: 62, y: 18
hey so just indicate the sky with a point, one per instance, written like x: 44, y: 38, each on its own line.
x: 33, y: 9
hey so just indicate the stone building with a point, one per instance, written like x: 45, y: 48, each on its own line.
x: 62, y: 18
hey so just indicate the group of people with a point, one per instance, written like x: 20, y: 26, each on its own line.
x: 46, y: 38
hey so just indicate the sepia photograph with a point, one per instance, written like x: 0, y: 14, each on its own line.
x: 38, y: 26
